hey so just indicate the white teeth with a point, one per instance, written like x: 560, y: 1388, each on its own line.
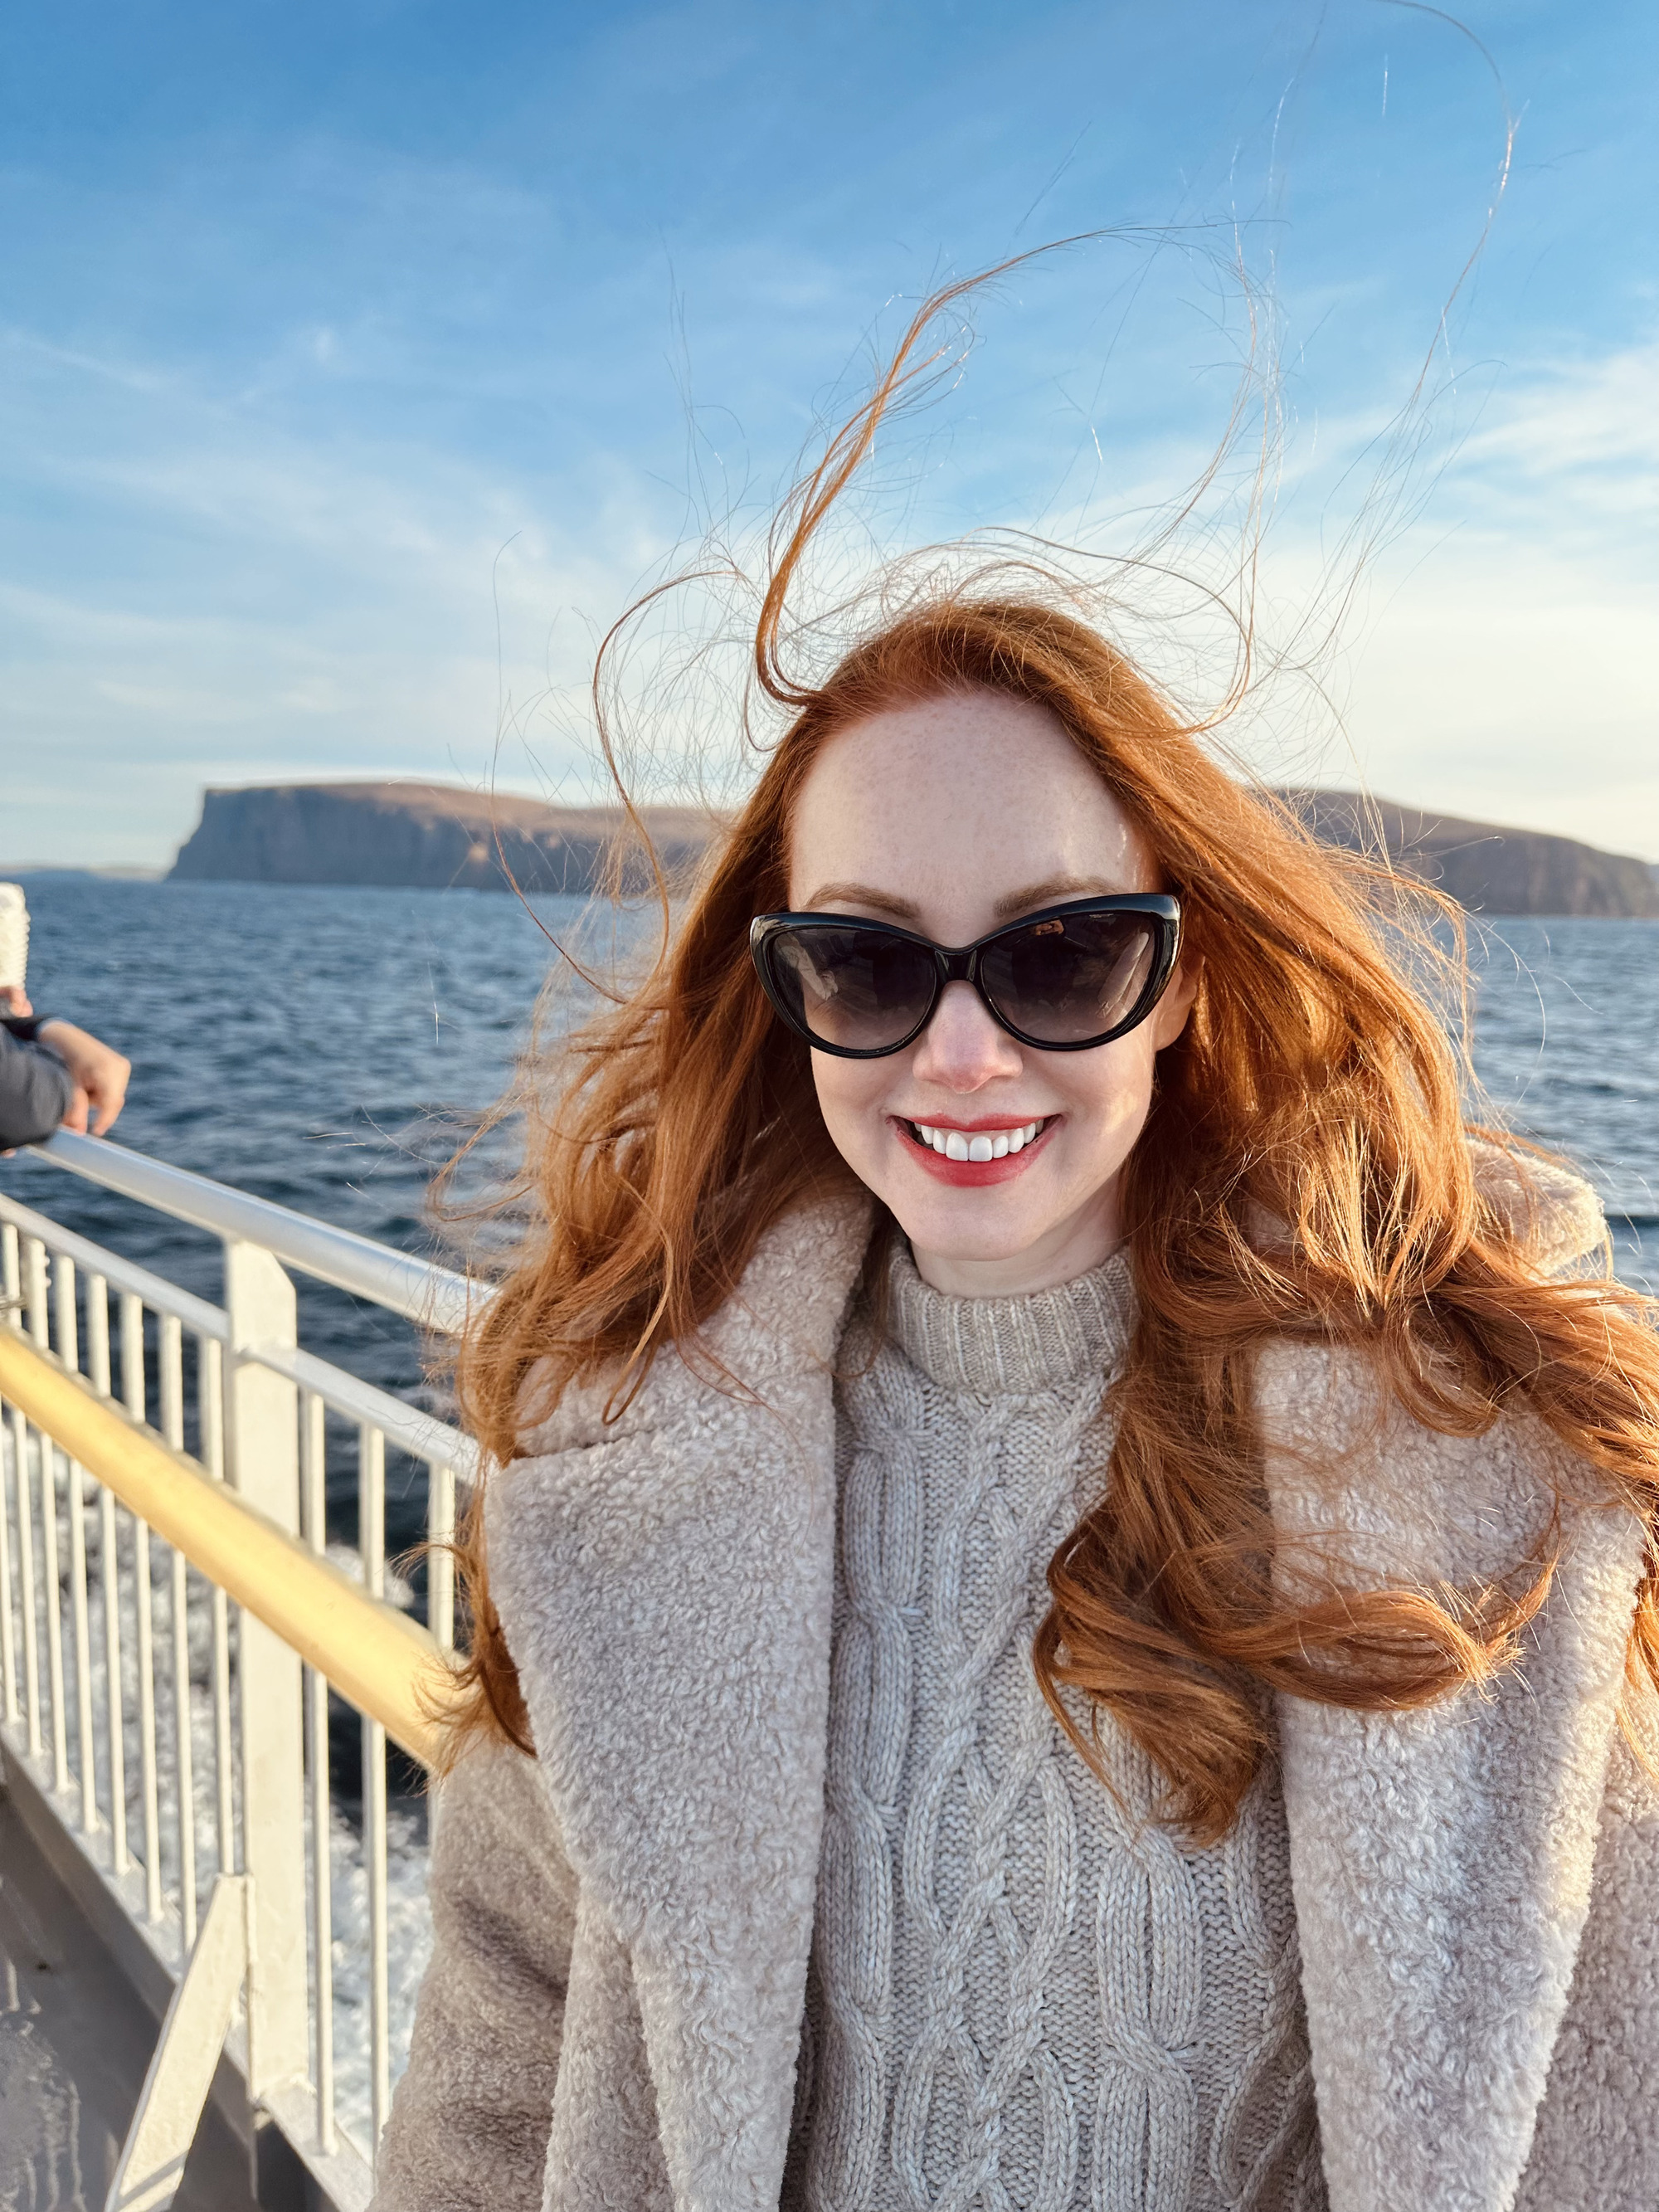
x: 957, y: 1145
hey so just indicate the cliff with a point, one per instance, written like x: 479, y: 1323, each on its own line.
x: 440, y: 834
x: 1487, y: 868
x: 427, y: 835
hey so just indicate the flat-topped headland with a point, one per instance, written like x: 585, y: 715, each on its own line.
x: 436, y: 836
x: 1484, y: 866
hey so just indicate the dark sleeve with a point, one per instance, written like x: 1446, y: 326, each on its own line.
x: 34, y: 1091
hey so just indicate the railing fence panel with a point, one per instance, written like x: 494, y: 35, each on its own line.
x: 170, y: 1730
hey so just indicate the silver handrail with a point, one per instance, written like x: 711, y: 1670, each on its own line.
x: 419, y: 1434
x: 436, y: 1297
x: 406, y: 1426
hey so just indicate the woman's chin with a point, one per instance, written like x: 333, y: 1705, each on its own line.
x: 967, y: 1234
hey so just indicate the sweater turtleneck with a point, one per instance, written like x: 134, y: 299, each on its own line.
x: 1054, y: 1339
x: 1026, y: 1990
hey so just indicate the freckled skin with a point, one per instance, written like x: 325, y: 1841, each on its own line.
x: 942, y: 811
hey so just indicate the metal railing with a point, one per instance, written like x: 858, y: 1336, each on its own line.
x: 167, y: 1642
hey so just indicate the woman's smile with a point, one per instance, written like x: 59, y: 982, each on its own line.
x: 993, y: 1148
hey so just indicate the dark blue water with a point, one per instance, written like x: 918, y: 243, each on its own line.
x: 326, y: 1047
x: 1566, y: 1043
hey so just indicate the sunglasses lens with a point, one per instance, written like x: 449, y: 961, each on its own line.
x: 853, y: 987
x: 1070, y: 978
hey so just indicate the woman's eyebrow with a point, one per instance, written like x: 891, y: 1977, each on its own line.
x: 838, y: 895
x: 1051, y: 893
x: 828, y: 896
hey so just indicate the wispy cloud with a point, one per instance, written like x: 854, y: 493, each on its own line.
x: 1502, y: 659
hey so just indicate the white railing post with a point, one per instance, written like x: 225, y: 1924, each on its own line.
x: 263, y: 1463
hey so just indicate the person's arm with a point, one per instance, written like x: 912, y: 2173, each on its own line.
x: 471, y: 2117
x: 36, y: 1091
x: 98, y: 1073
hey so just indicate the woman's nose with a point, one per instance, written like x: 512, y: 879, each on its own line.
x: 962, y: 1048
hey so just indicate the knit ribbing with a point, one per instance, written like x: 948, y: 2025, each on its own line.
x: 1025, y: 1992
x: 989, y: 1347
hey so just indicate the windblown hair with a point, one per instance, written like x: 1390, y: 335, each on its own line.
x: 1314, y: 1091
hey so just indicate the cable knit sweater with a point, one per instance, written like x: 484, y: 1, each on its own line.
x: 1023, y: 1990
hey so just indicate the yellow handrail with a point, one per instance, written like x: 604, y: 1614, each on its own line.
x: 385, y: 1664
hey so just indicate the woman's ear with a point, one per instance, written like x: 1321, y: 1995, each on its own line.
x: 1169, y: 1015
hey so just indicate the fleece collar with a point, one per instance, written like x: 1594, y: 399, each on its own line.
x: 666, y: 1583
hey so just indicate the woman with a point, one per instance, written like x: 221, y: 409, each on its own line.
x: 1068, y: 1599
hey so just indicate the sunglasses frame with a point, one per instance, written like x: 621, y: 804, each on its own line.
x: 961, y: 964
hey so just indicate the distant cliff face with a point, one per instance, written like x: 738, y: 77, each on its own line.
x: 429, y: 835
x: 437, y: 835
x: 1486, y: 868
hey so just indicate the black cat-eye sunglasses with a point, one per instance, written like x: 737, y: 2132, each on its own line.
x: 1064, y: 980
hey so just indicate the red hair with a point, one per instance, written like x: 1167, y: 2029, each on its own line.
x: 1314, y: 1089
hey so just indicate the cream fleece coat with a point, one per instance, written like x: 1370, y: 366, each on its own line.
x: 613, y: 2013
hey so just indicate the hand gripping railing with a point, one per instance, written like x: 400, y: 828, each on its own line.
x: 171, y: 1624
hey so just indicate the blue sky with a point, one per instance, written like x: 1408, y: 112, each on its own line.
x: 357, y: 360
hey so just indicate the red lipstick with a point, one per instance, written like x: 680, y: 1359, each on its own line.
x: 975, y: 1174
